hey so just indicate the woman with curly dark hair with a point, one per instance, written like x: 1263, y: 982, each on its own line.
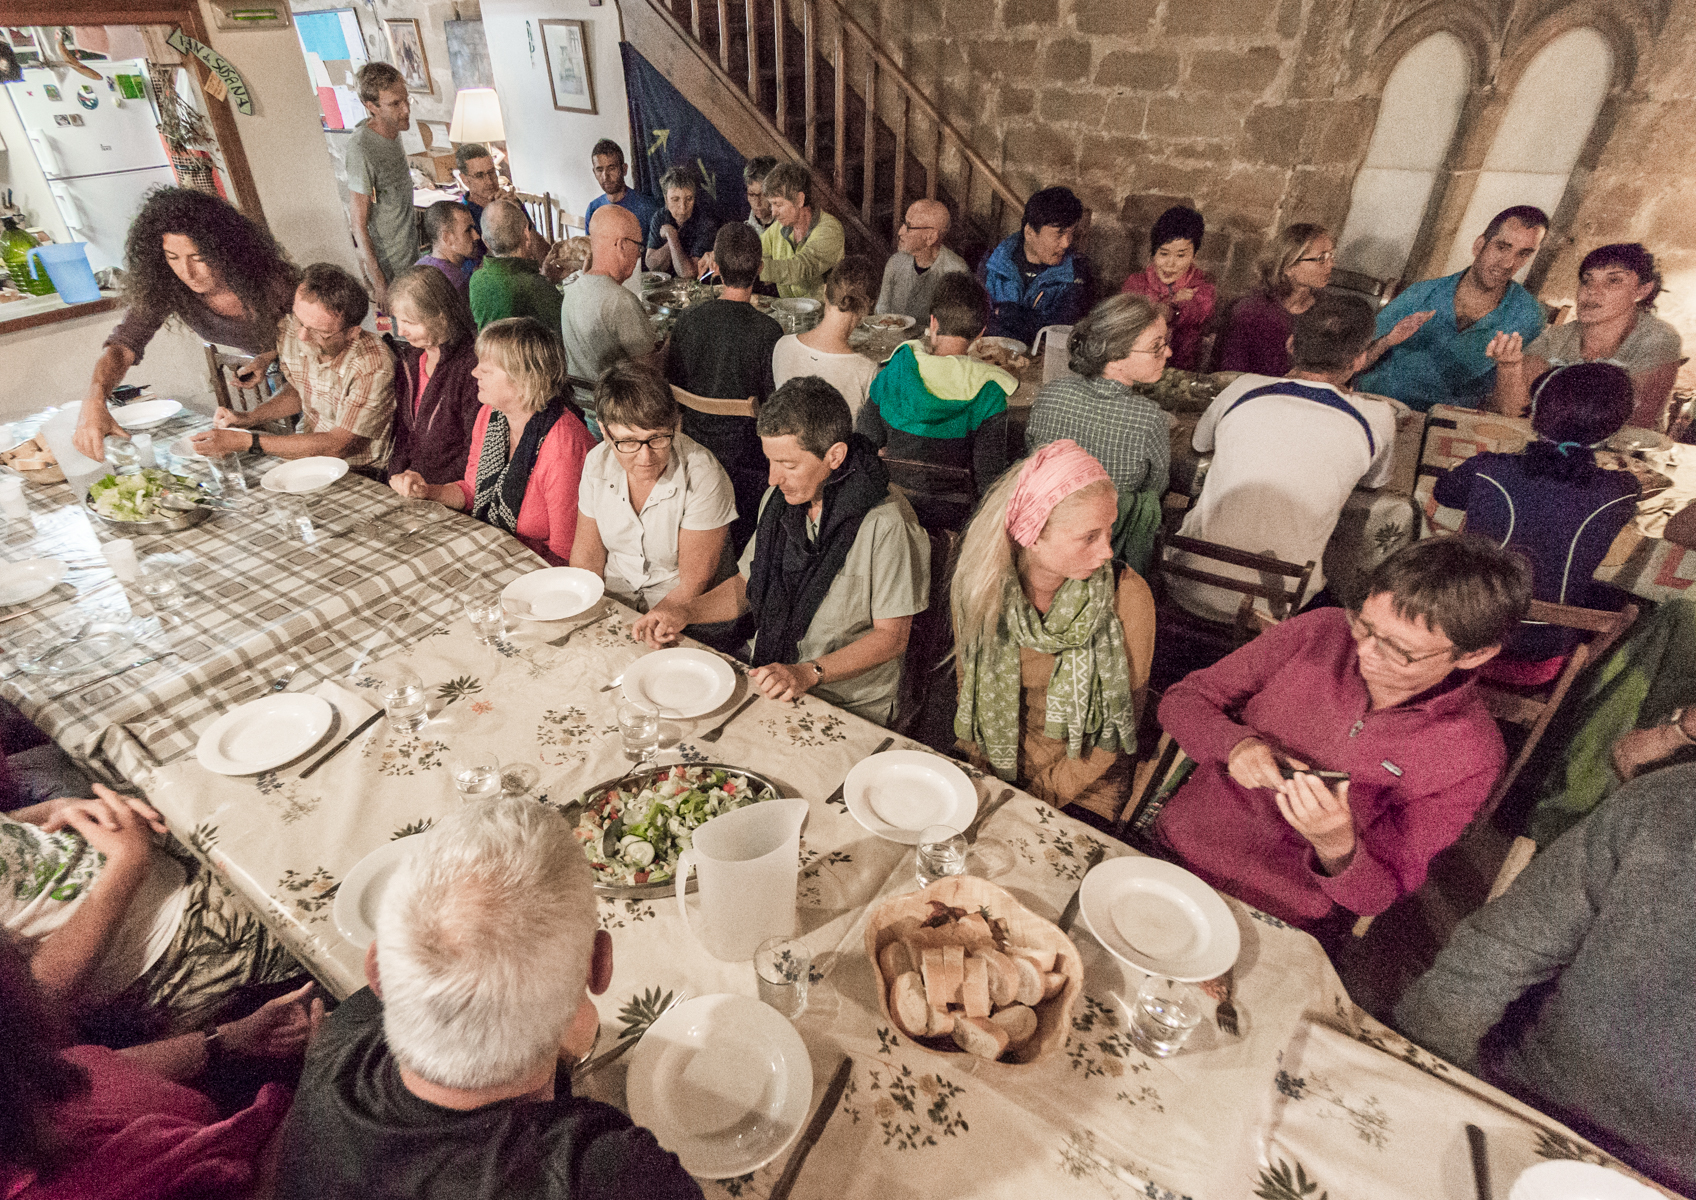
x: 194, y: 257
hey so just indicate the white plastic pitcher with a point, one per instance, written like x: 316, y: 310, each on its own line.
x: 749, y: 861
x: 1056, y: 359
x: 80, y: 472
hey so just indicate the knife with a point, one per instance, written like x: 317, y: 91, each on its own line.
x: 815, y: 1130
x: 342, y: 745
x: 1069, y: 914
x: 836, y: 796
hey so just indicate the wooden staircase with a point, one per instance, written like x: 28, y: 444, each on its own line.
x: 802, y: 80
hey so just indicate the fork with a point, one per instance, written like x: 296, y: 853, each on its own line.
x: 1225, y: 1015
x: 717, y: 731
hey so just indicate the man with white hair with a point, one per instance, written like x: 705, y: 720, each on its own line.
x: 510, y: 284
x: 448, y: 1076
x: 913, y: 271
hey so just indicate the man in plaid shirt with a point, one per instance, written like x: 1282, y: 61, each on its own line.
x: 340, y: 379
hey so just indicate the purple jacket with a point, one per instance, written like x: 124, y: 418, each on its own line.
x: 433, y: 434
x: 1420, y: 770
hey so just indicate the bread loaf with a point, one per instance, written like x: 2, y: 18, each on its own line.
x: 953, y: 971
x: 1003, y: 977
x: 1042, y: 960
x: 896, y: 960
x: 1019, y: 1022
x: 935, y: 977
x: 981, y: 1036
x: 1052, y: 983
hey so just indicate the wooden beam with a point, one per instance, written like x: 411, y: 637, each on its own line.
x: 900, y: 167
x: 868, y: 179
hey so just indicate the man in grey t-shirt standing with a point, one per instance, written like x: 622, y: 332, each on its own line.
x: 379, y: 184
x: 600, y: 320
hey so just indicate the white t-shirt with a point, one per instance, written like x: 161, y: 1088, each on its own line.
x: 694, y: 493
x: 44, y: 877
x: 850, y: 374
x: 1283, y: 465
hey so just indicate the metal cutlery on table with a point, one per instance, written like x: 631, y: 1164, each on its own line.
x: 618, y: 681
x: 815, y: 1130
x: 836, y: 796
x: 717, y: 731
x: 1069, y: 914
x: 988, y: 811
x: 566, y: 636
x: 344, y: 743
x: 1480, y: 1163
x: 589, y: 1066
x: 1225, y: 1013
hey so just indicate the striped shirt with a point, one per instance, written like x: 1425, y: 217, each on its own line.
x: 1125, y: 431
x: 354, y: 391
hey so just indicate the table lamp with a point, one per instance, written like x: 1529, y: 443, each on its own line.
x: 476, y: 117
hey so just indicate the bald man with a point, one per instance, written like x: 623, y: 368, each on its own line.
x: 601, y: 320
x: 509, y: 283
x: 910, y: 278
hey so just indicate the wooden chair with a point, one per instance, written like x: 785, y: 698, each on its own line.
x: 1379, y: 291
x: 718, y: 408
x: 225, y: 389
x: 942, y: 497
x: 926, y: 664
x: 543, y: 213
x: 1283, y: 600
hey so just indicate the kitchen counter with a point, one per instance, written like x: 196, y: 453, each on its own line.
x: 32, y: 311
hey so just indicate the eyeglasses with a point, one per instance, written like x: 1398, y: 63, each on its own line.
x: 1158, y: 348
x: 660, y: 443
x: 1325, y: 257
x: 632, y: 241
x: 1362, y: 630
x: 491, y: 173
x: 916, y: 228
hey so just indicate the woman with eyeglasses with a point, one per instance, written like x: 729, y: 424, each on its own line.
x: 654, y: 507
x: 527, y: 448
x: 1122, y: 342
x: 1294, y: 268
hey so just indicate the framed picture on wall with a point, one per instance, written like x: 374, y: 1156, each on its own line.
x: 565, y: 46
x: 406, y: 44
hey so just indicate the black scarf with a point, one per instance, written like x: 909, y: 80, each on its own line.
x: 791, y: 575
x: 501, y: 482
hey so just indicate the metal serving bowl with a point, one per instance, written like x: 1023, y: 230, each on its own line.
x: 170, y: 523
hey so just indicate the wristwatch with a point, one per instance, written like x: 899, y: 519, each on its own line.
x: 253, y: 441
x: 818, y: 671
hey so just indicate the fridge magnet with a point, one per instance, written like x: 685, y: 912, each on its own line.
x: 88, y: 98
x: 51, y: 92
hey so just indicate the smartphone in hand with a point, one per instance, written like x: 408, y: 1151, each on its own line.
x: 1289, y: 772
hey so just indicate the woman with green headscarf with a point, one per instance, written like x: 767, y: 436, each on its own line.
x: 1053, y: 650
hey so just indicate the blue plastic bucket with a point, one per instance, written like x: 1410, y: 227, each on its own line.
x: 67, y: 266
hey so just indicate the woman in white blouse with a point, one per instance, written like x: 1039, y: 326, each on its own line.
x: 654, y: 506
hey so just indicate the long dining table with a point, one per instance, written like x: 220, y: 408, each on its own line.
x: 1311, y: 1096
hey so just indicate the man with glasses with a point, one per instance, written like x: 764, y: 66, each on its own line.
x: 911, y: 276
x: 379, y: 181
x: 1286, y: 455
x: 1382, y: 700
x: 1433, y: 338
x: 601, y: 321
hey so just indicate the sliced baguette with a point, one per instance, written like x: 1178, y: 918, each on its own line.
x: 1053, y: 983
x: 935, y: 977
x: 1030, y: 982
x: 953, y: 972
x: 940, y: 1023
x: 981, y: 1036
x: 1042, y: 960
x: 1003, y: 978
x: 907, y: 1004
x: 974, y: 989
x: 896, y: 960
x: 1019, y: 1021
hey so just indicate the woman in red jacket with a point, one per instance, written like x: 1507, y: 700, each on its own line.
x: 435, y: 395
x: 1172, y: 278
x: 528, y: 446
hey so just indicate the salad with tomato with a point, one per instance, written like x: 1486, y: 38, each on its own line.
x: 652, y: 826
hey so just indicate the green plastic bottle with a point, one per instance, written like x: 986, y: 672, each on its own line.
x: 15, y: 245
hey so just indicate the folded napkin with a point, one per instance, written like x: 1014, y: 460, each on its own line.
x: 349, y: 704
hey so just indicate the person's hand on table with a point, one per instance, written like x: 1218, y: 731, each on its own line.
x: 94, y: 423
x: 1253, y: 764
x: 1407, y: 327
x: 135, y: 804
x: 1321, y: 815
x: 658, y: 627
x: 1508, y: 349
x: 280, y: 1029
x: 213, y: 442
x: 783, y: 681
x: 412, y: 485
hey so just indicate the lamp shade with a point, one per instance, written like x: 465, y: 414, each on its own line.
x: 476, y: 117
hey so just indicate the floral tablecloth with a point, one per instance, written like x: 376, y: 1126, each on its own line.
x: 1640, y: 561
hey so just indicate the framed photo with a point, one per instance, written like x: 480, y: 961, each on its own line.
x: 565, y: 47
x: 406, y: 43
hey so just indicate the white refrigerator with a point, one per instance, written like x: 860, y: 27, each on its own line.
x: 99, y: 149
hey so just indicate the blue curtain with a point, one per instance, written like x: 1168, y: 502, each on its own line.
x: 669, y: 131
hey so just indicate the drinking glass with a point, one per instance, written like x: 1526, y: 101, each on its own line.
x: 159, y: 582
x: 121, y: 455
x: 487, y: 617
x: 227, y: 478
x: 293, y: 515
x: 941, y: 852
x: 781, y: 970
x: 1166, y: 1012
x: 640, y: 729
x: 476, y: 775
x: 403, y: 697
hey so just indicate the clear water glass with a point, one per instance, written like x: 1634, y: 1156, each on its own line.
x: 121, y: 455
x: 940, y: 852
x: 403, y: 696
x: 487, y: 617
x: 1164, y: 1015
x: 639, y: 728
x: 158, y: 580
x: 227, y: 478
x: 782, y: 968
x: 477, y: 775
x: 293, y: 515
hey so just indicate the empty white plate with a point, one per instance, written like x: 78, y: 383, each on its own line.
x: 264, y: 733
x: 304, y: 474
x: 724, y: 1083
x: 680, y: 682
x: 898, y: 793
x: 146, y: 414
x: 29, y: 580
x: 1565, y: 1180
x: 1159, y: 918
x: 553, y: 593
x: 357, y: 899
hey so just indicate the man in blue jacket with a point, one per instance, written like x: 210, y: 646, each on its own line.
x: 1033, y: 278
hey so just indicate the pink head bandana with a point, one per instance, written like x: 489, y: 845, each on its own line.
x: 1048, y: 477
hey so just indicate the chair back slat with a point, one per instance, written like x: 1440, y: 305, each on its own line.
x: 718, y: 408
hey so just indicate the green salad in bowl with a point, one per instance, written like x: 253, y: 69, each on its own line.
x: 634, y: 833
x: 136, y: 497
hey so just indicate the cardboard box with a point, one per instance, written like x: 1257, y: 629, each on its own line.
x: 435, y: 165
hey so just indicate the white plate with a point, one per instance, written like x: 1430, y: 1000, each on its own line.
x: 1632, y: 439
x: 723, y: 1082
x: 304, y: 474
x: 265, y: 733
x: 1566, y: 1180
x: 1159, y: 918
x: 30, y: 579
x: 554, y: 593
x: 146, y: 414
x: 355, y: 907
x: 679, y: 683
x: 896, y: 322
x: 898, y: 793
x: 1010, y: 344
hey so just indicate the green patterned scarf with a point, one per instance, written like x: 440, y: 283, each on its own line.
x: 1089, y: 695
